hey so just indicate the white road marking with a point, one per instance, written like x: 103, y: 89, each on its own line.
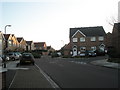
x: 18, y: 68
x: 78, y: 62
x: 54, y: 85
x: 12, y: 81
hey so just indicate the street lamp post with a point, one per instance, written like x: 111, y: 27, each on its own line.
x: 7, y: 26
x: 5, y: 42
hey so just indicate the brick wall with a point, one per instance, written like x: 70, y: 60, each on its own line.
x: 88, y: 43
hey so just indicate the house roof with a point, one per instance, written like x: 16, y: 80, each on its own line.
x: 117, y: 26
x: 67, y: 46
x: 29, y: 42
x: 2, y: 35
x: 12, y: 35
x: 89, y: 31
x: 48, y: 47
x: 39, y: 44
x: 19, y: 39
x: 6, y: 36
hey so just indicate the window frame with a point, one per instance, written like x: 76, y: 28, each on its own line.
x: 82, y: 39
x: 101, y: 39
x: 75, y: 40
x: 91, y: 39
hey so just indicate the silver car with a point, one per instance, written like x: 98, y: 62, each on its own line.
x: 13, y: 56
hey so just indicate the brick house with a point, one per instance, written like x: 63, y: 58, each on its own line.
x: 86, y: 38
x: 108, y: 41
x: 30, y: 45
x: 8, y: 42
x: 2, y: 39
x: 15, y: 43
x: 65, y: 50
x: 50, y: 50
x: 22, y: 44
x: 40, y: 46
x: 116, y: 38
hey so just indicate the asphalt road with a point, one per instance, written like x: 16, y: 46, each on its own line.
x: 78, y: 73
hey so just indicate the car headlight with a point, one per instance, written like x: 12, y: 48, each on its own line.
x: 89, y: 53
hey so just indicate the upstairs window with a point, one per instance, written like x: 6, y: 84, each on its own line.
x: 101, y: 38
x: 82, y: 39
x: 93, y: 39
x: 74, y: 39
x: 10, y: 43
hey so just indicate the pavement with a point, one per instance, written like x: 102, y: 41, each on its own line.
x: 33, y: 77
x: 23, y: 76
x: 104, y: 63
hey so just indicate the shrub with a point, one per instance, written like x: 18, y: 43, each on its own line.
x: 114, y: 60
x: 36, y: 55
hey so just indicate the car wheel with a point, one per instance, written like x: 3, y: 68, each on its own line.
x: 13, y: 59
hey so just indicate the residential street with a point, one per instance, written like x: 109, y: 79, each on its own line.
x: 78, y: 73
x: 61, y: 73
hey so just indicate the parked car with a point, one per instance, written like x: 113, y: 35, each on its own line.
x: 5, y: 57
x: 54, y: 55
x: 92, y: 53
x: 82, y: 54
x: 27, y: 58
x: 13, y: 56
x: 20, y: 55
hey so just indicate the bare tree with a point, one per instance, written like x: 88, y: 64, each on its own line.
x: 112, y: 20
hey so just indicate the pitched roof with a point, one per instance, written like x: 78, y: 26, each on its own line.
x: 89, y: 31
x: 29, y: 42
x: 2, y: 35
x: 6, y: 36
x: 67, y: 46
x: 48, y: 47
x: 12, y: 35
x: 19, y: 39
x: 117, y: 26
x: 39, y: 44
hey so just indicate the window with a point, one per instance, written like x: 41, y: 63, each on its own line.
x: 74, y: 39
x: 101, y: 38
x: 82, y: 48
x: 93, y: 39
x: 82, y: 39
x: 10, y: 42
x: 93, y: 48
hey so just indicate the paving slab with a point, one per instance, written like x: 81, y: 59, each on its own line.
x: 31, y: 78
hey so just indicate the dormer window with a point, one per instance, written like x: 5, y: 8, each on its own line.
x: 101, y: 38
x: 74, y: 39
x: 93, y: 39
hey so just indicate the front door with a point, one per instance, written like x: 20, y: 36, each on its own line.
x: 74, y: 51
x: 102, y: 47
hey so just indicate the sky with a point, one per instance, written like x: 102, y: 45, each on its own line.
x: 50, y: 20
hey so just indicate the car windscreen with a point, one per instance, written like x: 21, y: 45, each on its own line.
x: 27, y: 56
x: 10, y: 54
